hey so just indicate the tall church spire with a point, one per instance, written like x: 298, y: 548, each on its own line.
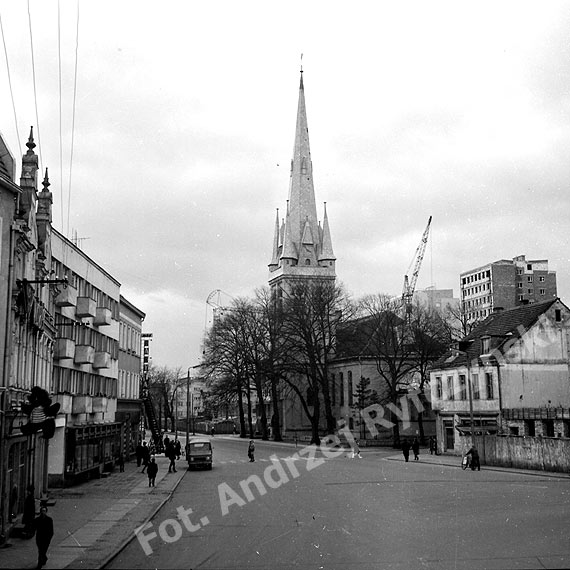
x: 301, y: 253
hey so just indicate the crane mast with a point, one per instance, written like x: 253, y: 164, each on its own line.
x: 410, y: 285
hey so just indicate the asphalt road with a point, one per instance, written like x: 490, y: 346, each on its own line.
x: 335, y: 512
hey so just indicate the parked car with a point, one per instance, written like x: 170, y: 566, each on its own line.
x: 199, y: 453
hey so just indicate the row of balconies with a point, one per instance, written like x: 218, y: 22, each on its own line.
x: 81, y: 353
x: 82, y: 404
x: 84, y: 307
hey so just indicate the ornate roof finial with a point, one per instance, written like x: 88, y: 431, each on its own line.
x: 31, y: 144
x: 46, y: 183
x: 301, y: 63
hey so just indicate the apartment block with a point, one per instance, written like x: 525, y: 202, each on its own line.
x: 505, y: 284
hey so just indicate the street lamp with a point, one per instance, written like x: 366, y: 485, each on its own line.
x: 470, y: 390
x: 187, y: 404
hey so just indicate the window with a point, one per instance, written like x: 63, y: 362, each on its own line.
x: 529, y: 291
x: 557, y: 315
x: 541, y: 279
x: 341, y: 387
x: 542, y: 291
x: 485, y: 344
x: 529, y: 278
x: 548, y: 428
x: 438, y: 388
x: 519, y: 285
x: 475, y: 384
x: 521, y: 297
x: 350, y: 389
x: 462, y: 387
x: 489, y: 385
x: 529, y: 428
x: 519, y: 271
x: 450, y: 394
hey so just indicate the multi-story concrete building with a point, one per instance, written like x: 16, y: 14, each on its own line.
x: 129, y: 403
x: 86, y: 365
x: 505, y: 284
x: 437, y: 299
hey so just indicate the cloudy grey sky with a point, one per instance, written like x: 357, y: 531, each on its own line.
x: 184, y: 127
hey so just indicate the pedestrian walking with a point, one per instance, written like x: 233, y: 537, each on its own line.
x: 145, y: 456
x: 139, y: 453
x: 251, y: 451
x: 213, y: 431
x: 152, y: 471
x: 416, y: 449
x: 171, y: 454
x: 44, y: 533
x: 178, y: 448
x: 29, y: 515
x: 406, y: 450
x: 121, y: 463
x: 356, y: 450
x: 431, y: 445
x: 166, y: 443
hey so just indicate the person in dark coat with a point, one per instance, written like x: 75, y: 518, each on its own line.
x: 251, y: 451
x: 44, y: 533
x: 29, y: 515
x: 406, y: 449
x: 121, y: 463
x: 171, y: 454
x: 139, y: 452
x: 416, y: 449
x: 475, y: 463
x: 145, y: 456
x: 166, y: 443
x: 152, y: 470
x: 178, y: 448
x: 431, y: 445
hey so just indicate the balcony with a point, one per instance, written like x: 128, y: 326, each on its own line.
x: 65, y: 401
x: 86, y: 307
x: 64, y: 348
x: 102, y: 360
x: 82, y: 405
x: 102, y: 317
x: 67, y: 298
x: 84, y: 354
x: 99, y: 404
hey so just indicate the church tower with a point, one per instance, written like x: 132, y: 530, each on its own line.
x: 302, y: 248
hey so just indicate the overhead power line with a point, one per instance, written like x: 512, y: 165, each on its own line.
x: 35, y: 89
x: 10, y: 84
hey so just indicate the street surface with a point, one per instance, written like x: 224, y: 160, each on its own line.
x: 347, y: 513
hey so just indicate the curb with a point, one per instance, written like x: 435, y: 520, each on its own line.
x: 127, y: 541
x: 498, y: 468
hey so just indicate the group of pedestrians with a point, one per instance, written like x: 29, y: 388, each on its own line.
x: 414, y: 446
x: 172, y: 450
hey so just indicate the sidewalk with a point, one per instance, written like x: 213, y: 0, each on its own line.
x: 455, y: 461
x: 94, y: 520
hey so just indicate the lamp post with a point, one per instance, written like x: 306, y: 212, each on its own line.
x: 187, y: 404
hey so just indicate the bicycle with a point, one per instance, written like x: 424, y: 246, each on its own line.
x: 466, y: 462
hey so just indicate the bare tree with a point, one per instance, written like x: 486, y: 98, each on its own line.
x: 312, y: 312
x: 388, y: 343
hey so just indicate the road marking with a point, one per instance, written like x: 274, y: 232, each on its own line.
x: 205, y: 521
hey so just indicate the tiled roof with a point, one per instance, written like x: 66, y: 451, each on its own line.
x: 501, y: 327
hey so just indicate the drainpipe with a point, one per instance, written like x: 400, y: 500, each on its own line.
x: 5, y: 381
x: 498, y: 365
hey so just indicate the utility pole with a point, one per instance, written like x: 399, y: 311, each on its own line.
x: 187, y: 407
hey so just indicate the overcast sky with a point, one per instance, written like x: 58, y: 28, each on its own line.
x: 184, y: 129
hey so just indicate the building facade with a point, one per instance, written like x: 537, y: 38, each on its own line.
x: 510, y: 375
x: 129, y: 403
x: 28, y: 333
x: 86, y: 366
x: 505, y: 284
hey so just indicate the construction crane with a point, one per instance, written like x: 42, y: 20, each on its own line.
x: 410, y: 285
x: 214, y: 300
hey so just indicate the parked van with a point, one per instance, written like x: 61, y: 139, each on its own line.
x: 199, y: 453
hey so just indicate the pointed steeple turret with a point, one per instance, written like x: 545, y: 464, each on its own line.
x: 327, y: 253
x: 28, y: 179
x: 276, y: 240
x: 301, y: 253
